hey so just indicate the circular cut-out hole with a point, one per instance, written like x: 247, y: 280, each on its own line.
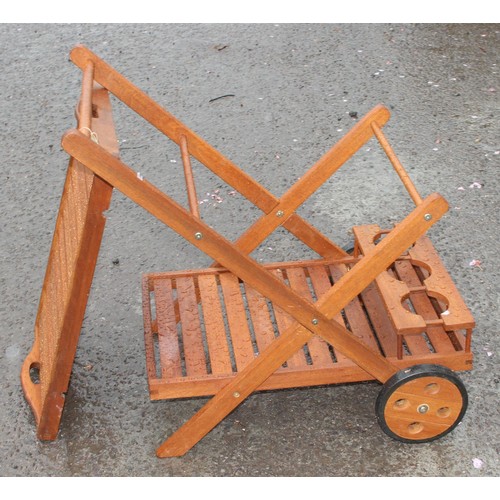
x: 401, y: 404
x: 443, y: 412
x: 432, y: 388
x: 35, y: 373
x: 379, y: 237
x: 415, y: 428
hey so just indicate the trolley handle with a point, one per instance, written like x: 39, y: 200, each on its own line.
x: 84, y: 110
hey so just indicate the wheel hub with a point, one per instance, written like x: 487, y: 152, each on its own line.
x: 421, y: 403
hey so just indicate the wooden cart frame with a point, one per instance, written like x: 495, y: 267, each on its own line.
x: 388, y: 311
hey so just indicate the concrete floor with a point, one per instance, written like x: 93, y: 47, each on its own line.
x: 294, y: 87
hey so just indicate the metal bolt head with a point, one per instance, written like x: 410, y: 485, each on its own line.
x: 236, y: 394
x: 198, y: 236
x: 423, y: 408
x: 428, y: 217
x: 314, y: 321
x: 280, y: 213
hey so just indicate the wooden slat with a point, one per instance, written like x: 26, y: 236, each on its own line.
x: 284, y: 321
x: 168, y: 338
x: 151, y: 368
x: 384, y: 329
x: 340, y: 356
x: 318, y: 348
x: 261, y: 318
x: 416, y: 345
x: 194, y: 351
x: 237, y: 320
x: 220, y: 360
x: 354, y: 313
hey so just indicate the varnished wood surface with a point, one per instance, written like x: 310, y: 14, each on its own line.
x: 440, y: 285
x: 421, y: 301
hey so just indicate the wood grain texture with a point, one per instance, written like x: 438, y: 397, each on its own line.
x: 168, y: 338
x: 220, y: 360
x: 180, y: 220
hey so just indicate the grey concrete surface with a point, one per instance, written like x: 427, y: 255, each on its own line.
x: 294, y: 87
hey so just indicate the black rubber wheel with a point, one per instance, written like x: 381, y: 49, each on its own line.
x: 348, y: 249
x: 421, y: 403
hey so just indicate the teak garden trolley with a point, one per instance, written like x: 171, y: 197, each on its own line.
x: 386, y: 311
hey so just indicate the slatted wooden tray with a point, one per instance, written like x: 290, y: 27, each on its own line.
x: 204, y: 326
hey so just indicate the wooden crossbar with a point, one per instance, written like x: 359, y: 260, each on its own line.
x: 188, y: 175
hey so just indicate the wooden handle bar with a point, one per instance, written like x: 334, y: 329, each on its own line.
x: 85, y: 105
x: 403, y: 174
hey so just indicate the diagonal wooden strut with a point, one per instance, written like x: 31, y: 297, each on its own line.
x: 311, y: 319
x: 166, y: 123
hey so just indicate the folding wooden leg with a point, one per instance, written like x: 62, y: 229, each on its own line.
x: 312, y: 319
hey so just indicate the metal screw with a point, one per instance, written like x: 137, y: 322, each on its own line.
x: 423, y: 408
x: 280, y: 213
x: 314, y: 321
x: 236, y: 394
x: 198, y: 236
x: 428, y: 217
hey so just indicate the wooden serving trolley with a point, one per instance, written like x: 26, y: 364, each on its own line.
x: 387, y: 311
